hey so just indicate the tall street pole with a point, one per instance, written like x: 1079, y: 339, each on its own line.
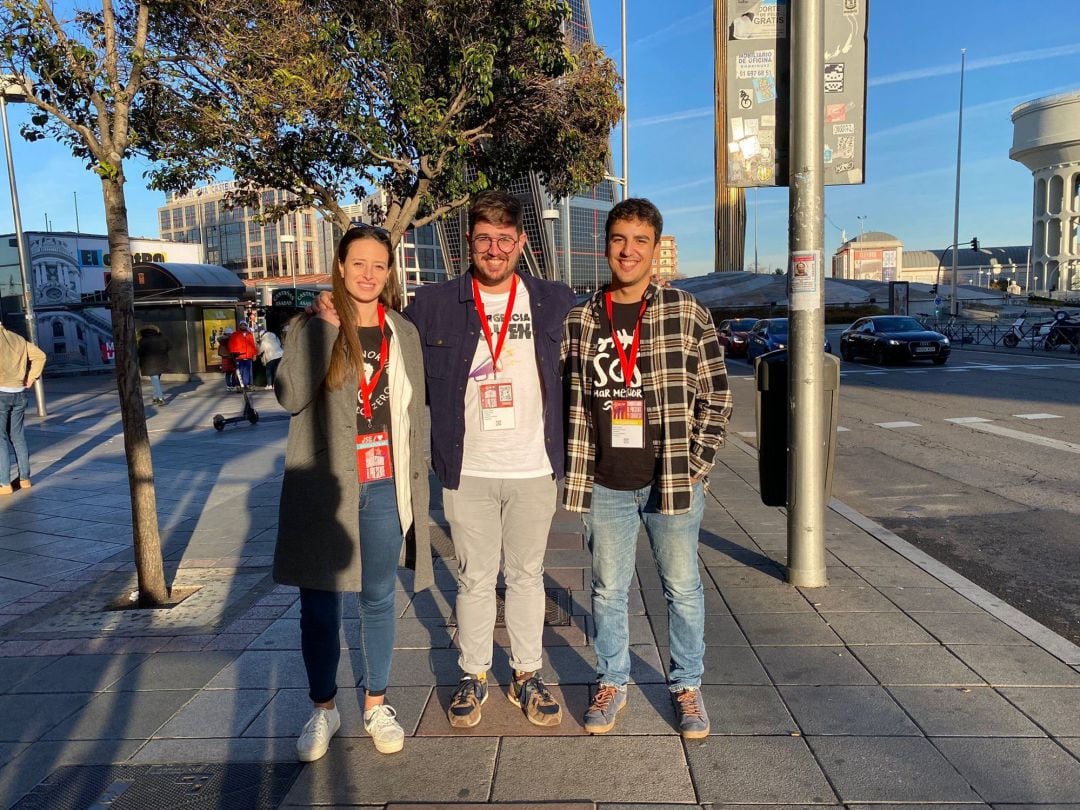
x: 955, y: 303
x: 806, y: 279
x: 7, y: 82
x: 626, y: 114
x: 730, y: 202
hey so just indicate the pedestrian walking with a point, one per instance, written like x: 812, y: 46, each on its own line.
x: 243, y: 348
x: 21, y: 363
x: 154, y: 349
x: 354, y: 498
x: 270, y: 354
x: 649, y: 405
x: 491, y: 351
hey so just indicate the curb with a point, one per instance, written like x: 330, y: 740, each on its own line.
x: 1038, y: 634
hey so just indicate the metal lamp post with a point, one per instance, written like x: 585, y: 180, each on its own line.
x: 289, y: 240
x: 12, y: 89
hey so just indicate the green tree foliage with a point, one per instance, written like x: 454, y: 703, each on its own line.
x: 84, y: 75
x: 430, y: 101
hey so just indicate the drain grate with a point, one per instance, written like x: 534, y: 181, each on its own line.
x: 245, y: 786
x: 556, y: 608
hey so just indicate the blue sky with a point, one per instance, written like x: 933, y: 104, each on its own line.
x: 1015, y: 52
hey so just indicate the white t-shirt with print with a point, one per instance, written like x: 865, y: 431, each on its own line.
x: 518, y: 452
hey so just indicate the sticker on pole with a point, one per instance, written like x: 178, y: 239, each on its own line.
x: 803, y: 274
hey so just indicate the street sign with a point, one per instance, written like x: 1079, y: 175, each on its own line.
x: 757, y: 92
x: 288, y: 297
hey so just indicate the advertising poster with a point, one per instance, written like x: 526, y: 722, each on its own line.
x: 215, y: 321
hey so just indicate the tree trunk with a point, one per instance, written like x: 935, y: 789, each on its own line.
x: 148, y: 561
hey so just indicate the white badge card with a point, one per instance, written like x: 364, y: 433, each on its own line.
x: 628, y: 423
x: 497, y: 405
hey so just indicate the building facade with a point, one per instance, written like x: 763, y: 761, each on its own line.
x: 261, y: 255
x: 666, y: 264
x: 68, y: 274
x: 1046, y: 139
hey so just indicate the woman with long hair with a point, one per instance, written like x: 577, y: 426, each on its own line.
x: 354, y: 499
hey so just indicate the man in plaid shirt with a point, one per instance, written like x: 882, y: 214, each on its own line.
x: 648, y: 406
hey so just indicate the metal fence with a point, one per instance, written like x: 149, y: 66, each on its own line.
x: 963, y: 333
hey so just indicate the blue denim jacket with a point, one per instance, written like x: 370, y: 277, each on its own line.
x: 449, y: 327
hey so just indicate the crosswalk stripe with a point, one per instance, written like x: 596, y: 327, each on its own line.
x: 1036, y: 416
x: 894, y: 425
x: 967, y: 420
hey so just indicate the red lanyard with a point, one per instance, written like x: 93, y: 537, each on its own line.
x: 629, y: 364
x: 495, y: 350
x: 367, y: 388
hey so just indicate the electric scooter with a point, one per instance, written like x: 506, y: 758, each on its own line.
x: 248, y: 414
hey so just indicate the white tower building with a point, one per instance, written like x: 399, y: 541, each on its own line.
x: 1046, y: 139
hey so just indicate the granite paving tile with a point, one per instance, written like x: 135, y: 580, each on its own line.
x: 847, y: 598
x: 81, y: 673
x: 10, y: 750
x: 766, y: 600
x: 889, y: 769
x: 747, y: 576
x: 1016, y: 666
x: 969, y: 628
x: 930, y: 600
x: 26, y: 717
x: 515, y: 774
x: 727, y: 666
x: 745, y: 710
x: 11, y: 590
x: 1055, y: 709
x: 949, y: 711
x: 787, y: 629
x: 354, y: 773
x: 757, y: 770
x: 257, y: 669
x: 848, y: 710
x: 121, y: 716
x: 873, y: 628
x: 216, y: 713
x: 500, y: 717
x: 220, y: 749
x: 1071, y: 744
x: 813, y: 666
x: 897, y: 576
x: 1015, y: 770
x: 916, y: 665
x: 39, y: 570
x: 15, y: 670
x: 79, y: 550
x: 12, y: 539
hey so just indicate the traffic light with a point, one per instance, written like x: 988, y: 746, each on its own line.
x: 933, y: 289
x: 974, y: 243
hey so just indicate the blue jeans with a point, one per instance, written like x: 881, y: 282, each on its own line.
x: 320, y: 611
x: 12, y: 413
x: 611, y: 530
x: 243, y: 372
x: 155, y: 384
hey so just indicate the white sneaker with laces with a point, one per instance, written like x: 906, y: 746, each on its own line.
x: 317, y: 733
x: 381, y: 724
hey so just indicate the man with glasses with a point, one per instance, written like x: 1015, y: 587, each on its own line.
x: 491, y: 354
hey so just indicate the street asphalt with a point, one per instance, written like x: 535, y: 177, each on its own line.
x: 899, y: 683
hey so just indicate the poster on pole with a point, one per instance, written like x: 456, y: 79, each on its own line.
x: 757, y: 92
x: 804, y: 280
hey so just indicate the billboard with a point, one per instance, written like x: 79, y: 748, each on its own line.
x: 757, y: 91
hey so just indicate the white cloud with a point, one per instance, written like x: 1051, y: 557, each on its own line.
x: 1014, y: 58
x: 668, y: 118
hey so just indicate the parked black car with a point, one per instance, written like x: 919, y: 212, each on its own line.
x: 893, y: 339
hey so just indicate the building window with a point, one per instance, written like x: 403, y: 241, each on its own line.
x: 58, y: 329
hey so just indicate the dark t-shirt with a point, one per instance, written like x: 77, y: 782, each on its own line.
x: 622, y: 468
x: 380, y: 422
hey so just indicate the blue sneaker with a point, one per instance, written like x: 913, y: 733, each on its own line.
x: 607, y: 702
x: 470, y: 695
x: 690, y: 710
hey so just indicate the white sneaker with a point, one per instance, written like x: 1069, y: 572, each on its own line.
x: 385, y: 731
x: 315, y: 738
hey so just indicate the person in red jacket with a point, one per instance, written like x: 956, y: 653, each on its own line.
x: 242, y: 347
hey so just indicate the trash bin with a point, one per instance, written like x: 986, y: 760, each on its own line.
x: 771, y: 372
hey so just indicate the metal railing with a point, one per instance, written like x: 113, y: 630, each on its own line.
x: 966, y: 333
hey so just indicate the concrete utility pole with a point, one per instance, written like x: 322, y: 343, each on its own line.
x: 806, y: 461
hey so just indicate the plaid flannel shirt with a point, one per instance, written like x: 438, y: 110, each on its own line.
x: 685, y: 386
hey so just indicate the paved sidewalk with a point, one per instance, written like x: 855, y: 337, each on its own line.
x: 898, y: 683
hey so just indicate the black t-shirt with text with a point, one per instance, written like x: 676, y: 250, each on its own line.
x: 380, y: 421
x: 621, y: 468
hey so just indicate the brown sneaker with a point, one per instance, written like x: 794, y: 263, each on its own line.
x: 24, y: 483
x: 470, y: 695
x: 5, y: 489
x: 531, y: 695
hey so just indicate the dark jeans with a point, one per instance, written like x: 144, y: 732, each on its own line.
x: 243, y: 371
x: 320, y: 611
x: 12, y: 414
x: 271, y: 371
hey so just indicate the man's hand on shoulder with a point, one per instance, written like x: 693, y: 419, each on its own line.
x: 323, y: 307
